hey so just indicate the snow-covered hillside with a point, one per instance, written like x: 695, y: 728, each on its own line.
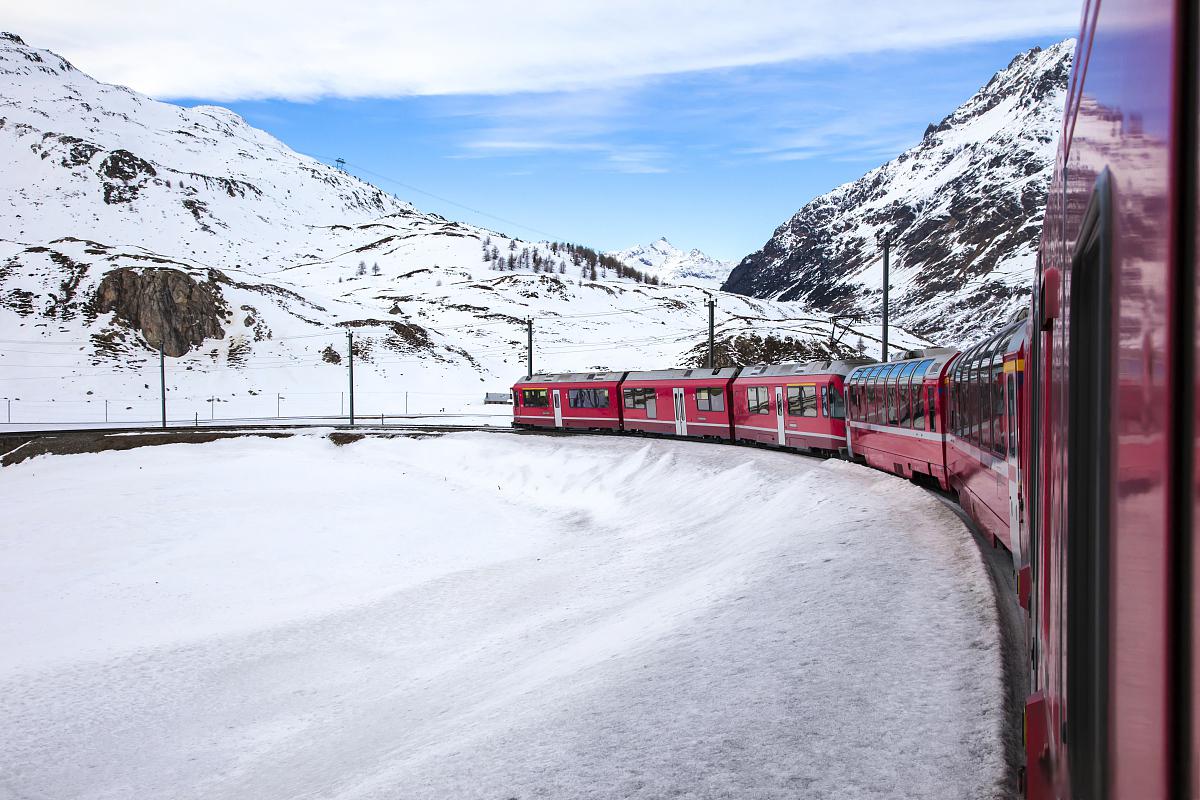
x: 672, y: 265
x: 963, y: 208
x: 134, y: 223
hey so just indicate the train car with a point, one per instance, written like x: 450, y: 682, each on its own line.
x: 798, y: 406
x: 1113, y: 498
x: 983, y: 453
x: 896, y: 415
x: 679, y: 402
x: 583, y: 400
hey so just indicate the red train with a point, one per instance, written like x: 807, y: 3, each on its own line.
x: 1070, y: 437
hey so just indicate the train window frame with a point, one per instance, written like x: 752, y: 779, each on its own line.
x: 760, y: 405
x: 526, y: 393
x: 709, y: 394
x: 905, y: 415
x: 1090, y: 348
x: 803, y: 400
x: 588, y: 397
x: 641, y: 398
x: 835, y: 402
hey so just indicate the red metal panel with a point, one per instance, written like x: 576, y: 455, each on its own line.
x: 1121, y: 118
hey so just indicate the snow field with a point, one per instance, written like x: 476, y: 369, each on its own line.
x: 489, y: 615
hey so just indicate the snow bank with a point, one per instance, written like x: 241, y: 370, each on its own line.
x: 489, y: 615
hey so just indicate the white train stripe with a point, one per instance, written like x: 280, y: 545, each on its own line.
x: 929, y: 436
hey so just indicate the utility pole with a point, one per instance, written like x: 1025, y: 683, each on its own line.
x: 350, y: 349
x: 529, y: 346
x: 162, y: 382
x: 712, y: 305
x: 886, y: 282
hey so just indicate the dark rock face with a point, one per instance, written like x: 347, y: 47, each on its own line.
x: 963, y: 210
x: 168, y: 306
x: 123, y: 175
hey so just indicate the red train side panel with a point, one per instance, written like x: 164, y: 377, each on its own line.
x: 982, y: 445
x: 679, y: 402
x: 569, y: 400
x: 897, y: 420
x: 799, y: 406
x: 1108, y: 527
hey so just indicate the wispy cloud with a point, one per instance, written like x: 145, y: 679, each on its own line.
x: 305, y: 49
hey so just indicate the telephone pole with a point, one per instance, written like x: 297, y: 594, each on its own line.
x: 886, y: 286
x: 350, y: 350
x: 712, y: 305
x: 529, y: 346
x: 162, y: 382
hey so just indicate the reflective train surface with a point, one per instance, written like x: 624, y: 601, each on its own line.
x: 1069, y: 437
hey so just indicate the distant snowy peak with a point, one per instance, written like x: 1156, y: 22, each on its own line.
x: 672, y: 265
x: 963, y: 209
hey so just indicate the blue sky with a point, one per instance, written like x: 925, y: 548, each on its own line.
x: 715, y: 159
x: 606, y: 122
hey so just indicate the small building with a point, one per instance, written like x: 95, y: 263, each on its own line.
x: 497, y: 398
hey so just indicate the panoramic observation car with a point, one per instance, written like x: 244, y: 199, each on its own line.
x: 983, y: 413
x: 679, y: 402
x: 897, y: 415
x: 569, y: 400
x: 799, y: 406
x: 1113, y: 418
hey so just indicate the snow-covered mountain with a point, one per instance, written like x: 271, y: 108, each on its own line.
x: 963, y: 209
x: 672, y: 265
x: 135, y: 224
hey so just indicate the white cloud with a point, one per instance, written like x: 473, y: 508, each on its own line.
x: 303, y: 49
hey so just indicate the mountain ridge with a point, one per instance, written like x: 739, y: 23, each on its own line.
x: 963, y: 209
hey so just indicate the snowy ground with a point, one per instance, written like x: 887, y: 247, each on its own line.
x: 491, y: 616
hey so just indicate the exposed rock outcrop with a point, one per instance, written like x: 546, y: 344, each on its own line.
x: 168, y: 306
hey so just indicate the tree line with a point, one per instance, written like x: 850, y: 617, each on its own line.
x: 590, y: 264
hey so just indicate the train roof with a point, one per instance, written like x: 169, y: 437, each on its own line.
x: 573, y: 377
x: 938, y: 358
x: 697, y: 374
x: 837, y: 367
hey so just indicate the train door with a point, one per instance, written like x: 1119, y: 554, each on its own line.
x: 680, y: 413
x: 557, y: 407
x: 1012, y: 448
x: 779, y: 422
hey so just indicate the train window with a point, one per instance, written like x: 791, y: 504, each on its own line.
x: 587, y: 398
x: 710, y: 399
x: 835, y: 404
x: 999, y: 435
x: 802, y: 400
x: 535, y: 398
x: 931, y: 406
x: 1089, y: 401
x: 758, y: 400
x: 642, y: 398
x: 516, y: 397
x: 918, y: 405
x: 1012, y: 414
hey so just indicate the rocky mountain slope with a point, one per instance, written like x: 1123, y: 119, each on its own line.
x: 135, y: 224
x: 672, y: 265
x: 963, y: 209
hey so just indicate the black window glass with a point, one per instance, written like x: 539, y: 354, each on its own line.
x: 758, y: 400
x: 587, y: 398
x: 535, y: 398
